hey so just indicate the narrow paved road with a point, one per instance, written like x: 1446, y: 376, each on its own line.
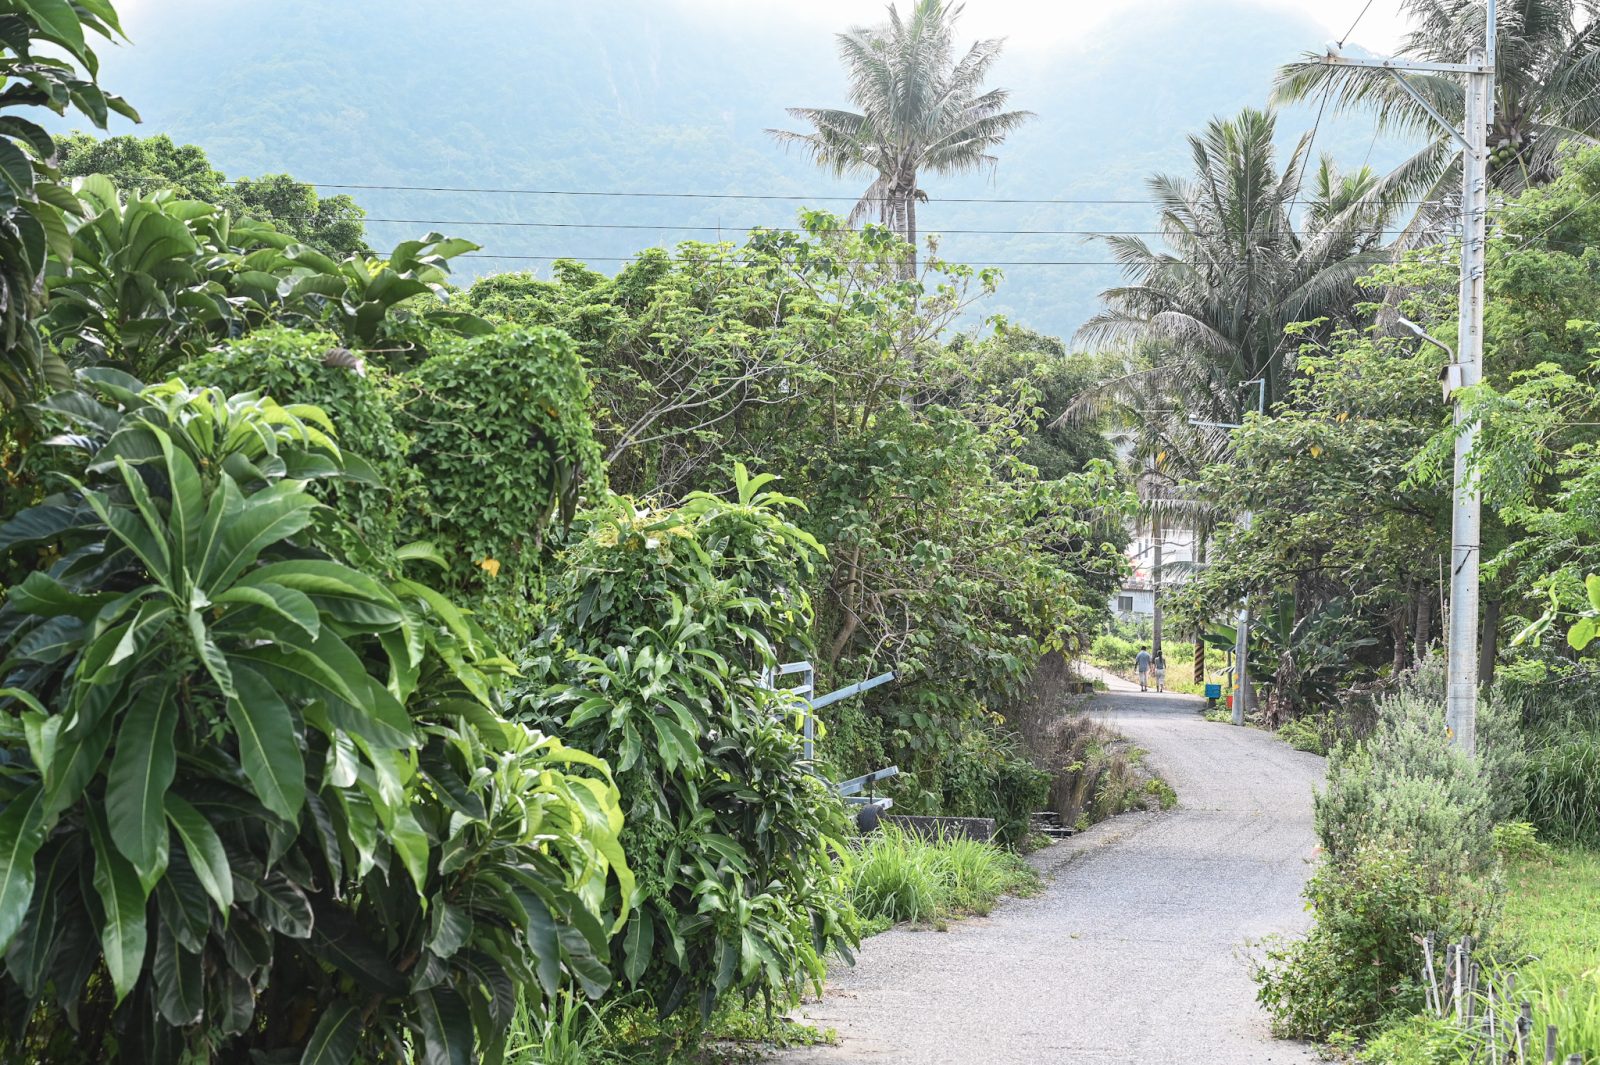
x: 1134, y: 953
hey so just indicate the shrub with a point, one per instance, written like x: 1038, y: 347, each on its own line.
x: 502, y: 441
x: 1305, y: 734
x: 1359, y: 961
x: 1501, y: 749
x: 987, y: 775
x: 1114, y: 649
x: 1408, y: 779
x: 661, y: 626
x: 1519, y: 842
x: 294, y: 367
x: 255, y: 798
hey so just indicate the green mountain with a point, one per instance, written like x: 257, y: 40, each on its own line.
x: 648, y: 97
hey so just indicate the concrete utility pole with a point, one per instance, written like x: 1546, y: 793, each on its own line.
x: 1461, y: 678
x: 1241, y: 638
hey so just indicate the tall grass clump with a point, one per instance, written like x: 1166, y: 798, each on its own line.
x: 1563, y: 787
x: 570, y: 1032
x: 894, y: 878
x: 899, y: 876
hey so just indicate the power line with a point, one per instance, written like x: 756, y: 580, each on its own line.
x: 595, y: 193
x: 1356, y: 23
x: 866, y: 262
x: 772, y: 229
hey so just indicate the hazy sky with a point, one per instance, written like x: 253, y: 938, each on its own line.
x: 1046, y: 24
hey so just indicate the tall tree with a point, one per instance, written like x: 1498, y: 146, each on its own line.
x: 331, y: 224
x: 1208, y: 312
x: 919, y: 107
x: 1547, y: 93
x: 1203, y: 320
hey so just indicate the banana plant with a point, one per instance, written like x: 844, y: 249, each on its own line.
x: 256, y: 801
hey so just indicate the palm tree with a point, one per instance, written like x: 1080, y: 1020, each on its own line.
x: 918, y: 108
x: 1208, y: 312
x: 1547, y: 92
x: 1204, y: 317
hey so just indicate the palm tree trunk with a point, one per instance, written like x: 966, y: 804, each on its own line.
x: 911, y: 223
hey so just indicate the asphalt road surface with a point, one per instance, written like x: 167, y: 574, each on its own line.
x: 1137, y: 950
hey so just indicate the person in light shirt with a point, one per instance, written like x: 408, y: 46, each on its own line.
x: 1141, y: 665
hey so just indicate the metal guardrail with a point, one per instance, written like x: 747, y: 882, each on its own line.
x: 807, y: 690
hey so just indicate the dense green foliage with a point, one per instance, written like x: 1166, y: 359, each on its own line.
x: 142, y: 166
x: 302, y: 366
x: 499, y: 434
x: 1359, y: 961
x: 662, y: 627
x: 251, y: 789
x: 34, y: 206
x: 950, y: 559
x: 1406, y: 825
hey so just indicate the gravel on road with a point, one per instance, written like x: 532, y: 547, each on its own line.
x: 1137, y: 949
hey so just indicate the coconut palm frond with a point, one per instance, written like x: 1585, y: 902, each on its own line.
x: 919, y: 107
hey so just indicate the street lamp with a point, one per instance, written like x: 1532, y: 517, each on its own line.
x: 1450, y: 376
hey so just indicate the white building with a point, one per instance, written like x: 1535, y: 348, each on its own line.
x: 1136, y: 597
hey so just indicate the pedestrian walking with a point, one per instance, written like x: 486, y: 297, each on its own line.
x: 1141, y: 665
x: 1160, y: 665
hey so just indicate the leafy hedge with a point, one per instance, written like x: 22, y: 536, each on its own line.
x: 256, y: 800
x: 315, y: 368
x: 660, y: 628
x: 500, y: 435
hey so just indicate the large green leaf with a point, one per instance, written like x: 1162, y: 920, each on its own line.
x: 204, y: 850
x: 141, y: 771
x: 122, y: 932
x: 59, y: 22
x: 268, y: 748
x: 266, y: 518
x: 21, y: 834
x: 41, y: 594
x: 447, y: 1037
x: 79, y: 751
x: 293, y: 606
x: 179, y: 980
x: 344, y: 593
x: 333, y: 1041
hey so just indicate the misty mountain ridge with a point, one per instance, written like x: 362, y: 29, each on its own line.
x: 616, y: 96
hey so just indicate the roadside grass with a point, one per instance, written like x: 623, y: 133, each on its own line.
x: 898, y: 876
x: 1552, y: 928
x: 621, y: 1032
x: 1549, y: 935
